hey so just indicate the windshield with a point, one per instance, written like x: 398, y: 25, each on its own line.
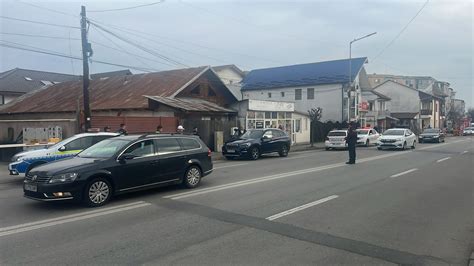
x: 362, y: 132
x: 337, y: 134
x: 252, y: 134
x: 431, y: 130
x: 61, y: 143
x: 104, y: 149
x: 394, y: 132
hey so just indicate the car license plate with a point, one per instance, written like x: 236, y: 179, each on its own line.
x: 230, y: 151
x: 30, y: 187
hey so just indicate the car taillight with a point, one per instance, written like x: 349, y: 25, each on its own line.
x: 209, y: 153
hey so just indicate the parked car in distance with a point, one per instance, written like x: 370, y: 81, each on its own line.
x: 120, y: 165
x: 255, y: 142
x: 431, y: 135
x: 23, y: 162
x: 468, y: 131
x: 336, y: 139
x: 397, y: 138
x: 367, y: 136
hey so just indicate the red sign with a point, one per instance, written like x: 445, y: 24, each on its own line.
x: 364, y: 106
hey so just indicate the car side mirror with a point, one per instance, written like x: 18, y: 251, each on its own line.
x: 62, y: 148
x: 265, y: 138
x: 126, y: 157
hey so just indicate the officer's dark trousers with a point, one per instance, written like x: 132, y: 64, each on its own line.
x: 352, y: 153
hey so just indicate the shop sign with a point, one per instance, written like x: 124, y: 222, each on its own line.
x: 256, y: 105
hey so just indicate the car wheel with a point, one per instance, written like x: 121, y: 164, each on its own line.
x: 283, y: 151
x: 254, y: 153
x: 367, y: 143
x: 413, y: 146
x: 404, y: 145
x: 378, y: 148
x: 192, y: 177
x: 229, y: 158
x: 327, y: 148
x: 97, y: 192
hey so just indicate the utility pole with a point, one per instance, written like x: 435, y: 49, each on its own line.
x: 86, y: 49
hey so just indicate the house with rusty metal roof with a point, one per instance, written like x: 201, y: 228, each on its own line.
x: 18, y: 81
x: 191, y: 97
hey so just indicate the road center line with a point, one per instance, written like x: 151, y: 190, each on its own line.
x: 404, y: 173
x: 302, y: 207
x: 464, y: 152
x: 225, y: 166
x: 444, y: 159
x: 69, y: 218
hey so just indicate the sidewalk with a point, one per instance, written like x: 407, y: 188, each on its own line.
x: 217, y: 156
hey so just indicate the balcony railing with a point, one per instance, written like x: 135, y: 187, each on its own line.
x: 426, y: 112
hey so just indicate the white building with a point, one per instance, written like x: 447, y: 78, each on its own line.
x: 322, y: 84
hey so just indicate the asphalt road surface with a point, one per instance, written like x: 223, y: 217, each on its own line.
x: 392, y: 207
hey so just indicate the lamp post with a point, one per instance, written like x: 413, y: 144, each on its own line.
x: 350, y: 75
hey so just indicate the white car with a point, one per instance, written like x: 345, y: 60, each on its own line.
x: 468, y: 131
x: 397, y: 138
x: 25, y: 161
x: 367, y: 136
x: 336, y: 139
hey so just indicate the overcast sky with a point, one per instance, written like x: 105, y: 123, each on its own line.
x: 251, y: 34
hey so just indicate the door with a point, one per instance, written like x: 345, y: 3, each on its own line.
x: 173, y: 159
x: 268, y: 142
x: 74, y: 147
x: 139, y: 171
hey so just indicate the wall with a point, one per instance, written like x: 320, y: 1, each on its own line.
x: 327, y: 97
x: 304, y: 135
x: 229, y: 76
x: 68, y: 126
x: 403, y: 99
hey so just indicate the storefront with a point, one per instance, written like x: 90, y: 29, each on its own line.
x: 282, y: 115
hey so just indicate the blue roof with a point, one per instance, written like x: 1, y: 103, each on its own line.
x: 328, y: 72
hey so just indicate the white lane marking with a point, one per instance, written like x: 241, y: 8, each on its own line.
x: 404, y: 173
x: 232, y: 165
x: 69, y: 218
x: 302, y: 207
x: 464, y: 152
x: 439, y: 145
x: 283, y: 175
x: 444, y: 159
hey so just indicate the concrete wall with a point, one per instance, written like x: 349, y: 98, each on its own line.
x: 303, y: 136
x: 327, y: 97
x: 403, y: 99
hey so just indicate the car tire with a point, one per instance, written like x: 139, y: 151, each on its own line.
x: 404, y: 145
x: 283, y: 151
x: 413, y: 146
x: 97, y: 192
x: 420, y: 141
x: 327, y: 148
x: 254, y: 153
x: 229, y: 158
x: 192, y: 176
x: 378, y: 148
x: 367, y: 143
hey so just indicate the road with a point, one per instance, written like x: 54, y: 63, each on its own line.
x: 392, y: 207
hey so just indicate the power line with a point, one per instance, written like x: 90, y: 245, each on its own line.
x: 122, y: 50
x: 39, y: 22
x: 48, y: 9
x: 42, y: 51
x: 39, y: 36
x: 127, y: 8
x: 401, y: 31
x: 150, y: 51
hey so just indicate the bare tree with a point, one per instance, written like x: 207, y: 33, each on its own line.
x: 470, y: 113
x: 455, y: 115
x: 314, y: 115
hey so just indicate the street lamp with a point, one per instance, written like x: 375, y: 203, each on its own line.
x: 350, y: 74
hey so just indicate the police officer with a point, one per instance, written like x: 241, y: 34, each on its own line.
x: 351, y: 141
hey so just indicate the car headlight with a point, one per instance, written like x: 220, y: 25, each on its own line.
x: 245, y: 145
x: 63, y: 178
x: 16, y: 158
x: 400, y: 139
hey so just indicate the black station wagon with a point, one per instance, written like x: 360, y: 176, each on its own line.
x: 119, y: 165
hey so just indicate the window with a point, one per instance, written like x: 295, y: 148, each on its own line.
x: 97, y: 139
x: 211, y: 92
x: 79, y: 144
x: 282, y: 94
x: 196, y: 90
x: 260, y: 115
x: 298, y: 125
x: 190, y: 144
x: 268, y: 115
x: 277, y: 133
x: 310, y: 94
x: 268, y: 134
x: 274, y: 115
x: 141, y: 149
x: 269, y: 95
x: 297, y: 94
x: 167, y: 145
x: 2, y: 99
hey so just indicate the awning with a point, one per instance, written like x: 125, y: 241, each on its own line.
x: 404, y: 115
x: 388, y: 117
x: 190, y: 104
